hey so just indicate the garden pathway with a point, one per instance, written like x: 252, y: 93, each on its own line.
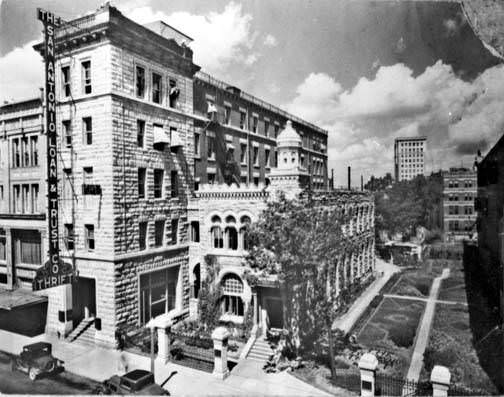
x: 422, y: 337
x: 346, y: 322
x: 418, y: 298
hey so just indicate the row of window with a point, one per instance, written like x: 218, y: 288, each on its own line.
x: 456, y: 184
x: 460, y: 226
x: 455, y: 210
x: 229, y: 235
x: 25, y: 151
x: 154, y: 88
x: 466, y: 197
x: 66, y: 80
x: 159, y: 233
x: 25, y: 198
x: 87, y: 131
x: 411, y: 144
x: 89, y: 237
x: 159, y: 189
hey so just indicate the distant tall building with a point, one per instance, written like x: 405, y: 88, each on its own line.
x: 409, y: 158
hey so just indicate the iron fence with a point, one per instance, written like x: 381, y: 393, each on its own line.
x: 192, y: 351
x: 391, y: 386
x: 348, y: 379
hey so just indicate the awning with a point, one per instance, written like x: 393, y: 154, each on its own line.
x: 18, y: 298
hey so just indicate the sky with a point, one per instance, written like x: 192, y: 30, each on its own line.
x: 367, y: 72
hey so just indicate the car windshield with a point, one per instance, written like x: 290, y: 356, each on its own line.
x: 38, y: 352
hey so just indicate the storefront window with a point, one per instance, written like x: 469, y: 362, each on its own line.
x: 157, y: 293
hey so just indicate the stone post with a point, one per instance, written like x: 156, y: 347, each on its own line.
x: 440, y: 379
x: 220, y: 337
x: 367, y: 365
x: 163, y: 334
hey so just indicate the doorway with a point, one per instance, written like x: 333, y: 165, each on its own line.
x: 274, y: 309
x: 84, y: 299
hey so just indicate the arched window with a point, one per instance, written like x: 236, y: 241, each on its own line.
x: 245, y: 224
x: 216, y: 219
x: 216, y: 233
x: 197, y: 280
x: 232, y: 284
x: 231, y: 238
x: 232, y: 288
x: 230, y: 219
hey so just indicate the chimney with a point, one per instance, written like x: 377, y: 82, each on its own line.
x: 362, y: 183
x: 349, y: 178
x: 332, y: 178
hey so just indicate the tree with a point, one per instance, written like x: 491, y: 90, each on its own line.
x: 302, y: 242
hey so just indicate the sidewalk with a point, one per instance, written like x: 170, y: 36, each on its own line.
x: 97, y: 363
x: 346, y: 322
x: 424, y: 330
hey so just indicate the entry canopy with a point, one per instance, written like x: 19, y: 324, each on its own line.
x: 51, y: 275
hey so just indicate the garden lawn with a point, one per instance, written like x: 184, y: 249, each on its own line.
x: 393, y: 328
x: 453, y: 288
x: 414, y: 283
x: 451, y: 345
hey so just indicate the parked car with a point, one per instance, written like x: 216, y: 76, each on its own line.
x: 137, y: 381
x: 36, y: 359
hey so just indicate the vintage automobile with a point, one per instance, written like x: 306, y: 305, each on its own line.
x: 36, y: 359
x: 137, y: 381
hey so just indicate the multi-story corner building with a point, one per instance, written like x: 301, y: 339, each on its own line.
x: 409, y: 158
x: 490, y: 221
x: 145, y: 145
x: 238, y: 133
x: 459, y: 193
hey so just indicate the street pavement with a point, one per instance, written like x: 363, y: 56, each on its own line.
x: 17, y: 382
x: 98, y: 364
x: 422, y: 337
x: 346, y: 322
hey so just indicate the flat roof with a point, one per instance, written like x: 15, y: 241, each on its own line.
x: 411, y: 138
x: 14, y: 299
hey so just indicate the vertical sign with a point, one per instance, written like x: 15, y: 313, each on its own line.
x: 55, y: 272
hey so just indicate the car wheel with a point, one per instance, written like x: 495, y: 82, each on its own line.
x: 32, y: 374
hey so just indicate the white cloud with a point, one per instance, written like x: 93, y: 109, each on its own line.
x: 21, y: 73
x: 458, y: 117
x: 220, y: 38
x: 270, y: 41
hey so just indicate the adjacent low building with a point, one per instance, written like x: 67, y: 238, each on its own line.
x: 459, y: 193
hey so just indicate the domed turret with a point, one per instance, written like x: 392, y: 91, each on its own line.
x: 289, y: 137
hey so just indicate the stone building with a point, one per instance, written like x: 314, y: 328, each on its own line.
x: 159, y: 165
x: 459, y: 193
x: 490, y: 222
x: 221, y: 213
x: 409, y: 158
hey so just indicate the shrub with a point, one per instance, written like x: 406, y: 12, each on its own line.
x: 403, y: 336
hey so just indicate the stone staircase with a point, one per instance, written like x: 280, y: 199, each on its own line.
x: 261, y: 351
x: 84, y: 332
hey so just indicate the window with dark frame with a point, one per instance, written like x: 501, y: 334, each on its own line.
x: 25, y: 148
x: 86, y: 77
x: 34, y: 150
x: 34, y: 198
x: 142, y: 236
x: 174, y: 93
x: 159, y: 227
x: 256, y: 155
x: 16, y: 153
x: 243, y: 118
x: 65, y: 81
x: 243, y: 153
x: 210, y: 147
x: 195, y: 232
x: 158, y: 183
x: 90, y: 237
x: 141, y: 182
x: 174, y: 183
x: 67, y: 132
x: 140, y: 133
x: 3, y: 244
x: 69, y: 236
x: 157, y: 88
x: 140, y: 82
x: 266, y: 127
x: 196, y: 144
x: 174, y: 231
x: 227, y: 114
x: 255, y: 124
x: 87, y: 125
